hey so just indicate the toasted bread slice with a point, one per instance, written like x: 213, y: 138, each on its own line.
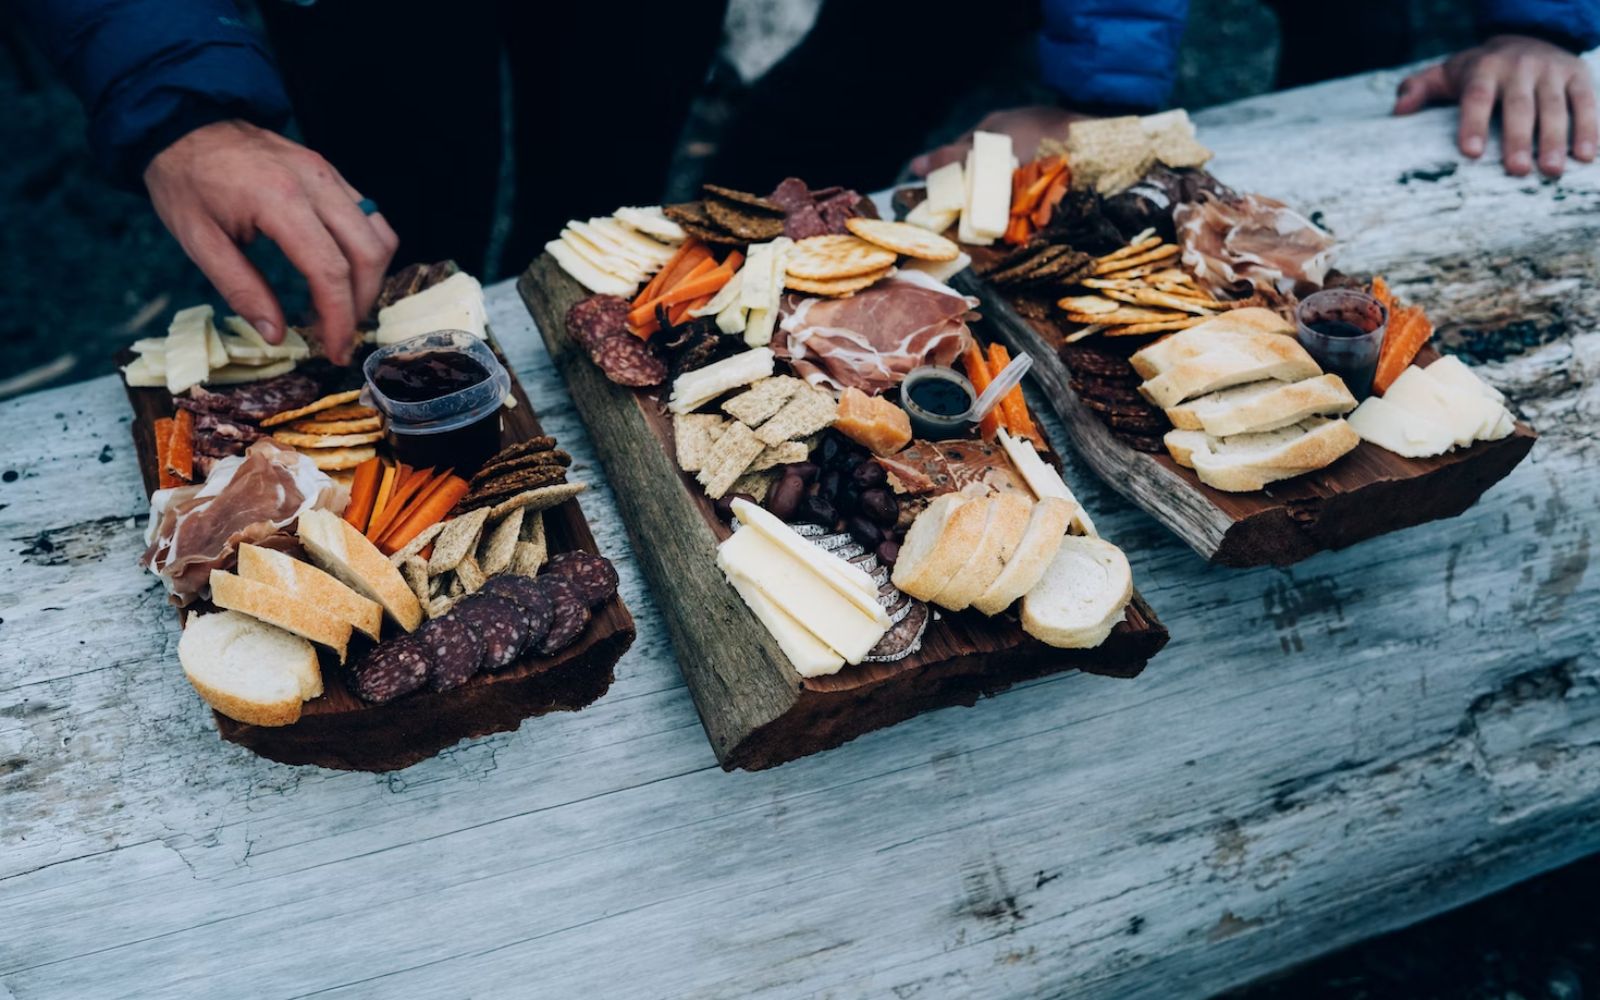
x: 340, y: 549
x: 276, y: 606
x: 934, y: 551
x: 302, y: 579
x: 1231, y: 362
x: 1235, y: 327
x: 1246, y: 462
x: 248, y: 670
x: 1047, y: 526
x: 1081, y: 596
x: 1009, y: 514
x: 1263, y: 406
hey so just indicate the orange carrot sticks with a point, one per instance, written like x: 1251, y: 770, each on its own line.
x: 690, y: 254
x: 163, y: 435
x: 180, y: 449
x: 404, y: 490
x: 1014, y: 409
x: 978, y: 375
x: 363, y: 491
x: 447, y: 492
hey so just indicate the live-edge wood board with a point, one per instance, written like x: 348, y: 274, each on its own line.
x: 339, y: 730
x: 756, y: 710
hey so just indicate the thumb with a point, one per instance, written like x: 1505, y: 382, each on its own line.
x: 236, y: 280
x: 1421, y: 89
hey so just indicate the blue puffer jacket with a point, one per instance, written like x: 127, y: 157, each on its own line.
x: 1124, y: 53
x: 148, y: 71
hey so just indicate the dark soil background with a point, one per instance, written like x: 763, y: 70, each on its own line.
x: 88, y: 268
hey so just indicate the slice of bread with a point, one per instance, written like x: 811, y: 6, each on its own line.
x: 1009, y: 514
x: 1081, y: 596
x: 939, y: 543
x: 1238, y: 326
x: 1232, y: 361
x: 249, y: 671
x: 276, y: 606
x: 1047, y: 526
x: 339, y: 548
x: 280, y: 569
x: 1263, y: 406
x: 1245, y: 462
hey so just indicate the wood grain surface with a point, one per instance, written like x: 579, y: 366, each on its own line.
x: 1324, y: 751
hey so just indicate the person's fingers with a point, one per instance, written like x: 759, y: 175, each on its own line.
x: 1518, y: 113
x: 1585, y: 119
x: 235, y: 278
x: 1477, y: 108
x: 363, y: 248
x: 1553, y: 125
x: 927, y: 163
x: 305, y: 240
x: 1421, y: 89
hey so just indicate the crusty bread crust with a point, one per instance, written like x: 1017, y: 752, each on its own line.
x: 276, y: 606
x: 264, y: 684
x: 1009, y: 514
x: 339, y: 548
x: 1265, y: 407
x: 1239, y: 465
x: 1237, y: 326
x: 958, y: 536
x: 1229, y: 364
x: 1047, y: 526
x: 1071, y: 608
x: 279, y: 569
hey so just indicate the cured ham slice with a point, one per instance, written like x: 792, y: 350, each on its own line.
x: 1251, y: 239
x: 251, y: 498
x: 870, y: 340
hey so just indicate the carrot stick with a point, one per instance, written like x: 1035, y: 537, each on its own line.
x: 163, y: 435
x: 1014, y: 409
x: 1046, y: 208
x: 1408, y: 330
x: 705, y: 277
x: 1029, y: 199
x: 978, y: 375
x: 403, y: 492
x: 385, y: 488
x: 679, y: 312
x: 688, y: 256
x: 180, y: 450
x: 363, y: 491
x: 447, y: 493
x: 399, y: 512
x: 1017, y: 230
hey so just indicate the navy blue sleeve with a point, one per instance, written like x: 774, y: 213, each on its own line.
x: 1110, y: 54
x: 149, y: 71
x: 1574, y: 24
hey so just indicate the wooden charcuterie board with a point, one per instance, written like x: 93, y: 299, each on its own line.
x: 339, y: 730
x: 756, y: 710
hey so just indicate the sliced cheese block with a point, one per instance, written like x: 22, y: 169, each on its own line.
x: 188, y: 358
x: 1453, y: 371
x: 696, y: 388
x: 933, y: 219
x: 652, y: 222
x: 623, y: 268
x: 605, y: 246
x: 810, y: 656
x: 989, y: 197
x: 147, y: 371
x: 292, y: 346
x: 1043, y: 479
x: 1463, y: 413
x: 459, y: 286
x: 149, y: 345
x: 1390, y: 426
x: 630, y: 241
x: 216, y: 352
x: 947, y: 188
x: 240, y: 374
x: 808, y: 597
x: 848, y: 579
x: 586, y: 274
x: 964, y: 230
x: 454, y: 304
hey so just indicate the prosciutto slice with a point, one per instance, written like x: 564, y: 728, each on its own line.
x: 251, y: 498
x: 1251, y: 239
x: 871, y: 339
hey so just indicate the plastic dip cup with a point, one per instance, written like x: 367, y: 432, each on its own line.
x: 1342, y: 329
x: 459, y: 428
x: 938, y: 400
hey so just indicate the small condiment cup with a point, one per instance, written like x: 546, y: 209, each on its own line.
x: 1353, y: 357
x: 456, y: 429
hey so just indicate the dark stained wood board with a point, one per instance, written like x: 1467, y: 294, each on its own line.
x: 339, y: 730
x: 756, y: 710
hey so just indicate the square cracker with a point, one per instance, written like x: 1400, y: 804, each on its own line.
x: 457, y: 540
x: 779, y: 454
x: 693, y: 435
x: 754, y: 484
x: 764, y: 398
x: 809, y: 411
x: 499, y: 542
x: 731, y: 455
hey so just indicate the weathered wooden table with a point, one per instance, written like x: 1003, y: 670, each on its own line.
x: 1322, y: 753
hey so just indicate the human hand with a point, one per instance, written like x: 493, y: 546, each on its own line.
x: 1026, y: 126
x: 1532, y: 81
x: 221, y: 185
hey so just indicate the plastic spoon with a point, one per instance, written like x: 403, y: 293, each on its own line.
x: 1002, y: 383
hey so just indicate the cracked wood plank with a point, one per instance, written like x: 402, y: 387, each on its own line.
x: 1329, y: 751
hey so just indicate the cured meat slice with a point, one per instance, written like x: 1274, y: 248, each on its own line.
x: 455, y: 649
x: 1255, y: 239
x: 592, y: 575
x: 627, y: 360
x: 903, y: 638
x: 570, y: 617
x: 870, y: 340
x: 527, y: 594
x: 500, y: 624
x: 930, y: 468
x: 391, y: 669
x: 258, y: 400
x: 597, y: 318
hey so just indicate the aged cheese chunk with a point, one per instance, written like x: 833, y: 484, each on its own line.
x: 989, y: 200
x: 810, y: 656
x: 585, y: 273
x: 467, y: 316
x: 696, y: 388
x: 947, y: 189
x: 851, y: 581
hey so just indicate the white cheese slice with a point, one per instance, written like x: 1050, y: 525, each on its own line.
x: 989, y: 201
x: 188, y: 358
x: 623, y: 268
x: 292, y: 346
x: 939, y: 270
x: 466, y: 315
x: 810, y: 656
x: 934, y: 220
x: 964, y: 230
x: 216, y: 353
x: 631, y: 242
x: 156, y: 346
x: 947, y: 189
x: 1044, y: 480
x: 1387, y: 425
x: 459, y: 287
x: 608, y: 247
x: 585, y: 273
x: 804, y: 595
x: 242, y: 352
x: 147, y: 371
x: 696, y: 388
x: 755, y: 291
x: 1453, y: 371
x: 652, y: 222
x: 758, y: 327
x: 727, y: 295
x: 238, y: 374
x: 848, y: 579
x: 1460, y: 412
x: 733, y: 319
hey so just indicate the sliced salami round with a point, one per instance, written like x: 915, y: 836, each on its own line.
x: 455, y: 648
x: 526, y: 593
x: 570, y: 617
x: 501, y: 624
x: 629, y: 361
x: 593, y: 575
x: 391, y: 669
x: 597, y: 318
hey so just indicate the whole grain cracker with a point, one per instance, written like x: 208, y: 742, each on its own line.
x: 807, y: 412
x: 778, y: 454
x: 693, y: 434
x: 316, y: 406
x: 835, y: 256
x: 439, y: 606
x: 417, y: 544
x: 903, y: 238
x: 459, y: 537
x: 730, y: 456
x: 470, y: 575
x: 764, y: 398
x: 526, y: 559
x: 499, y: 543
x: 542, y: 498
x: 415, y: 571
x: 754, y: 484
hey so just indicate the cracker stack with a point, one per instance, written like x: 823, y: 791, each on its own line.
x: 768, y: 425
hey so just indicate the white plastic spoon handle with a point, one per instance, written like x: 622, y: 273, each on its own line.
x: 1003, y: 383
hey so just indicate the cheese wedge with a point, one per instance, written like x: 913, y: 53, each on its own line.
x: 947, y: 189
x: 1044, y: 480
x: 989, y: 197
x: 623, y: 268
x: 810, y: 656
x: 1391, y: 426
x: 1461, y: 412
x: 696, y: 388
x: 1451, y: 370
x: 849, y: 580
x: 932, y: 219
x: 806, y: 596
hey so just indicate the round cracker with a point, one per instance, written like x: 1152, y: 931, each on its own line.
x: 835, y: 256
x: 836, y: 289
x: 358, y: 425
x: 299, y: 439
x: 347, y: 411
x: 325, y: 403
x: 334, y: 459
x: 903, y: 238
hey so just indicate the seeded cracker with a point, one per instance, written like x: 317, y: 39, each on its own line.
x: 693, y: 435
x: 417, y: 544
x: 531, y: 548
x: 469, y: 574
x: 765, y: 397
x: 730, y: 456
x: 779, y: 454
x: 459, y: 537
x: 808, y: 412
x: 500, y: 542
x: 539, y: 499
x: 415, y: 571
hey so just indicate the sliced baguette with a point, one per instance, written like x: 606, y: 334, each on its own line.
x: 1246, y: 462
x: 276, y: 606
x: 249, y: 671
x: 939, y: 543
x: 1263, y: 406
x: 1047, y: 526
x: 1009, y: 514
x: 1081, y: 596
x: 1235, y: 362
x: 340, y: 549
x: 1238, y: 326
x: 302, y: 579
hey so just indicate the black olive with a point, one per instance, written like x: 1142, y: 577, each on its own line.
x: 849, y: 499
x: 880, y: 505
x: 783, y: 496
x: 888, y: 551
x: 869, y: 473
x: 807, y: 471
x: 828, y: 485
x: 865, y: 532
x: 818, y: 510
x: 724, y: 505
x: 830, y: 449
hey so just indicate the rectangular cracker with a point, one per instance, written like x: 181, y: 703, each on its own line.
x: 764, y: 398
x: 693, y: 435
x: 779, y: 454
x: 730, y: 456
x: 807, y: 412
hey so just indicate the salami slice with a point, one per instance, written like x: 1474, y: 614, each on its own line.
x: 501, y: 625
x: 391, y: 669
x: 526, y: 593
x: 593, y: 576
x: 455, y: 649
x: 629, y: 361
x: 570, y: 618
x: 597, y: 318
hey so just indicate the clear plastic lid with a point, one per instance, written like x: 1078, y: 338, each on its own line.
x: 450, y: 412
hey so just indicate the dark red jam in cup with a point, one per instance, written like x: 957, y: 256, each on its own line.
x: 442, y: 394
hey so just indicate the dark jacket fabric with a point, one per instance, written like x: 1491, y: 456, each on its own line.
x: 1124, y: 53
x: 149, y: 71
